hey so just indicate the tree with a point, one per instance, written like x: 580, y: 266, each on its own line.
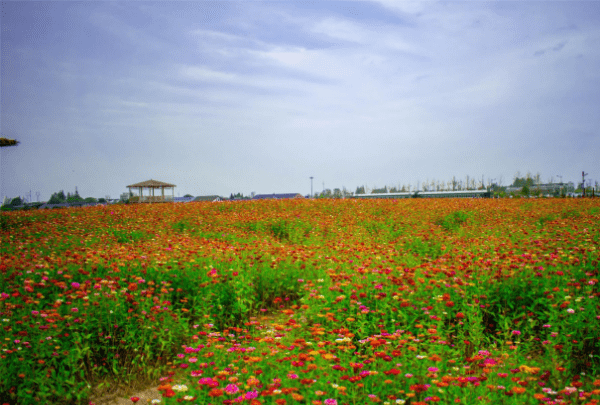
x: 16, y: 201
x: 379, y: 190
x: 101, y: 200
x: 90, y: 200
x: 188, y: 196
x: 74, y: 198
x: 57, y: 198
x: 360, y: 190
x: 5, y: 142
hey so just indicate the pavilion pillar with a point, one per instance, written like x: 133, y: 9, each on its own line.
x: 163, y: 193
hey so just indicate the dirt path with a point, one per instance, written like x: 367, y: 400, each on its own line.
x: 148, y: 391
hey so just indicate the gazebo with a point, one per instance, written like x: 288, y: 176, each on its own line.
x: 152, y: 185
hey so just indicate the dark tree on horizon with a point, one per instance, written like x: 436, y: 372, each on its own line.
x: 5, y: 142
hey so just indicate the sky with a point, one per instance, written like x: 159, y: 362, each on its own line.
x: 230, y: 96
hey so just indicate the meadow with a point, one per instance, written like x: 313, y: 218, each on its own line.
x: 418, y: 301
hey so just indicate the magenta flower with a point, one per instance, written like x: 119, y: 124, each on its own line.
x: 74, y: 309
x: 232, y: 389
x: 516, y: 332
x: 251, y: 395
x: 330, y: 401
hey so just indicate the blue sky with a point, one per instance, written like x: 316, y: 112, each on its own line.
x: 225, y: 97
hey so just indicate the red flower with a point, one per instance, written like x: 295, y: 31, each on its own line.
x: 168, y: 393
x: 134, y: 399
x: 215, y: 392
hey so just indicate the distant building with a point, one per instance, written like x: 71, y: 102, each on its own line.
x: 50, y: 206
x: 277, y: 196
x: 427, y: 194
x: 210, y: 198
x: 183, y: 199
x: 547, y: 188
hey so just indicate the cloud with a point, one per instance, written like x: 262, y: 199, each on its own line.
x: 258, y: 96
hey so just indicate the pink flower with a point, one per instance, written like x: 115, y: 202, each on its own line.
x: 516, y: 332
x: 251, y: 395
x: 330, y: 401
x: 232, y: 389
x: 75, y: 284
x: 74, y: 309
x: 193, y: 359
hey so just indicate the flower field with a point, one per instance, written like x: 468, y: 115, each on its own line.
x: 304, y: 302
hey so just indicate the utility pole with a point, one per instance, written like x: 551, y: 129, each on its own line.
x: 583, y: 174
x: 561, y: 184
x: 37, y: 196
x: 311, y: 190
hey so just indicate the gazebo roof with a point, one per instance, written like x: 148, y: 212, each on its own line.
x: 152, y: 184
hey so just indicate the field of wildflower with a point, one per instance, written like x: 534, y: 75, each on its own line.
x: 304, y: 302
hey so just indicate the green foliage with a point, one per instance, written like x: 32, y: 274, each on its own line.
x: 126, y: 236
x: 290, y: 231
x: 544, y: 219
x: 181, y: 226
x: 571, y: 214
x: 90, y: 200
x: 426, y: 249
x: 5, y: 222
x: 454, y: 221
